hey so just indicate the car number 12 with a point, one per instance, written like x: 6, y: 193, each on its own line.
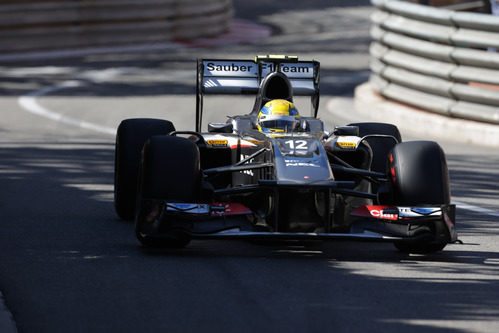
x: 298, y: 144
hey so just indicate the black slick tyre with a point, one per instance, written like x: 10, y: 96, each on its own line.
x: 130, y: 138
x: 419, y: 175
x: 170, y: 171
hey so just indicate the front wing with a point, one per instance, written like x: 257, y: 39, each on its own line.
x: 159, y: 218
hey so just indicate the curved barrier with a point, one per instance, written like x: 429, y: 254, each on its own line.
x: 436, y: 59
x: 52, y: 24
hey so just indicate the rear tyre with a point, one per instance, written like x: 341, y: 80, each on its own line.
x: 170, y: 171
x: 419, y: 174
x: 381, y: 147
x: 130, y: 138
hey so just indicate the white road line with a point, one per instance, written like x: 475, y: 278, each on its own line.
x: 476, y: 209
x: 29, y: 103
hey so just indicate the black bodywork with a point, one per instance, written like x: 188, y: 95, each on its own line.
x: 307, y: 184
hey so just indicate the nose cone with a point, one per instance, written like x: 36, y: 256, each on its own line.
x: 301, y: 159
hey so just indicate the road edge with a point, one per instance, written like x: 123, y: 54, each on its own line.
x: 7, y: 323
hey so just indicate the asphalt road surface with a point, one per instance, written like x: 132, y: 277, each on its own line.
x: 68, y: 264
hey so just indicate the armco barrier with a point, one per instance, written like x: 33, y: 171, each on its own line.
x: 50, y: 24
x: 436, y: 59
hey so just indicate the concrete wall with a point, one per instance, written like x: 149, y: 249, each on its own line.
x: 38, y: 25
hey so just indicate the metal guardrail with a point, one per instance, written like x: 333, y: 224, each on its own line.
x: 436, y: 59
x: 52, y: 24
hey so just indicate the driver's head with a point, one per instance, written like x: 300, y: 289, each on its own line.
x: 278, y: 115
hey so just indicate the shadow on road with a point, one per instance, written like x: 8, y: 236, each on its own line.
x: 64, y: 252
x: 59, y: 233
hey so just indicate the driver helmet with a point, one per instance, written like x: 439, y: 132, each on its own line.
x: 278, y: 115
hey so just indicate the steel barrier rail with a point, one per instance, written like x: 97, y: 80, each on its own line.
x: 436, y: 59
x: 51, y: 24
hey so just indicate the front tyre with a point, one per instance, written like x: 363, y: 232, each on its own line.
x: 130, y: 138
x: 170, y: 171
x: 419, y: 176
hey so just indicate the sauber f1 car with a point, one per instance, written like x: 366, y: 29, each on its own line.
x: 235, y: 181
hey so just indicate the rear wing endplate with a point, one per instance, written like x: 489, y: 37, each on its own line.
x: 236, y: 77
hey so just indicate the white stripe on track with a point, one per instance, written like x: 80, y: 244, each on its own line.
x: 29, y: 103
x: 476, y: 209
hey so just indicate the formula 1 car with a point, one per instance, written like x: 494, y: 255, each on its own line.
x: 358, y: 182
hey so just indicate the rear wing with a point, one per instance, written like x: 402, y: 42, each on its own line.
x: 236, y: 77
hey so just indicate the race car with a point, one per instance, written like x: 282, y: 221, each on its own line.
x: 273, y: 173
